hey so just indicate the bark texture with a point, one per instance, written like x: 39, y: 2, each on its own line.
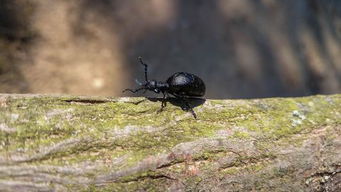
x: 66, y: 143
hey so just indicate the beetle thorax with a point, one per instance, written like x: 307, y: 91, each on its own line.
x: 156, y: 86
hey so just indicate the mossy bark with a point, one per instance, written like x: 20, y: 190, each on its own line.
x: 66, y: 143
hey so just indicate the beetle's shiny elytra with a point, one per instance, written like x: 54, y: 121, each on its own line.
x: 181, y: 85
x: 184, y: 84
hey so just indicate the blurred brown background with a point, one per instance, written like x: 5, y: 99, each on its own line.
x: 240, y: 48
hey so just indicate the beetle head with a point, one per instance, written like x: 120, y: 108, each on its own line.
x: 152, y: 86
x: 149, y: 85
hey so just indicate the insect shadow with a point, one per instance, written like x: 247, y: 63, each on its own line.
x: 189, y: 106
x: 193, y: 102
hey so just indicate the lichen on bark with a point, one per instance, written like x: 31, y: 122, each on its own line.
x: 58, y: 143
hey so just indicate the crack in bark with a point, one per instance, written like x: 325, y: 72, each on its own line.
x: 46, y: 151
x: 9, y: 185
x: 82, y: 144
x: 152, y: 177
x: 164, y: 160
x: 87, y: 101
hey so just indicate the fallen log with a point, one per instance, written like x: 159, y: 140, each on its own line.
x: 67, y: 143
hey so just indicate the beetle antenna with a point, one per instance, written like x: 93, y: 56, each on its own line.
x: 133, y: 90
x: 145, y: 68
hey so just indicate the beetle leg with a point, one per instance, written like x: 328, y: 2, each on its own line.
x: 163, y: 102
x: 133, y: 90
x: 164, y: 99
x: 187, y: 106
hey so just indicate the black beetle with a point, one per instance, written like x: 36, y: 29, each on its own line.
x: 181, y: 85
